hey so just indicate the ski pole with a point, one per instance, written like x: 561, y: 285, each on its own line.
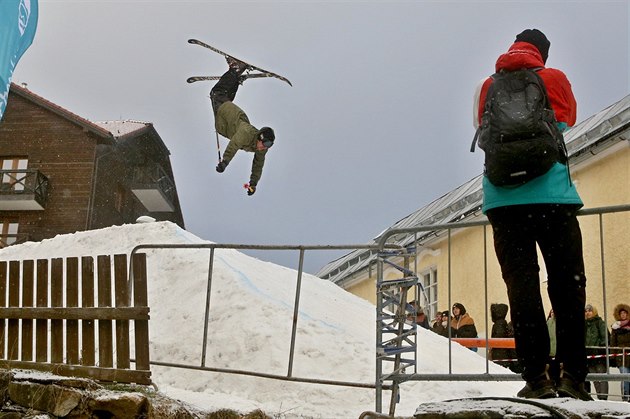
x: 218, y: 146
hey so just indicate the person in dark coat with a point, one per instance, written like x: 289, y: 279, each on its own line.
x: 421, y: 318
x: 502, y: 329
x: 620, y: 337
x: 440, y: 326
x: 596, y: 336
x: 541, y: 214
x: 462, y: 325
x: 231, y: 122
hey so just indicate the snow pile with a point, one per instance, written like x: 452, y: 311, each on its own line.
x: 251, y: 309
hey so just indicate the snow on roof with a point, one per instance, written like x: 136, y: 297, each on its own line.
x: 465, y: 201
x: 121, y: 128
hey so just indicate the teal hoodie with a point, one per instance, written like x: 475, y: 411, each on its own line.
x: 554, y: 187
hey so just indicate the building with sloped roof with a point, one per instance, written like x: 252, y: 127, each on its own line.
x: 61, y: 173
x: 599, y: 159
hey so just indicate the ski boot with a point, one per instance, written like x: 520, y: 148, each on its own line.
x: 238, y: 66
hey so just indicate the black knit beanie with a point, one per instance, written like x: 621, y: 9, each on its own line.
x: 460, y: 306
x: 537, y: 39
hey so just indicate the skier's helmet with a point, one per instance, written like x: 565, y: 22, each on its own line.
x: 267, y: 136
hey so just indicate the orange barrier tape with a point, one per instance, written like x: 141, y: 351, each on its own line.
x: 505, y: 343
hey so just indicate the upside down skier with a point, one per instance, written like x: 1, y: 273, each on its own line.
x: 231, y: 122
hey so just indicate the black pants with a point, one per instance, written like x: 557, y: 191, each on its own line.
x: 601, y: 387
x: 517, y: 229
x: 225, y: 89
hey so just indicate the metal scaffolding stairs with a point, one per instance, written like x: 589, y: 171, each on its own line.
x: 396, y: 341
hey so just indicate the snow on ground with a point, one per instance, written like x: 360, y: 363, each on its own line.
x: 251, y: 311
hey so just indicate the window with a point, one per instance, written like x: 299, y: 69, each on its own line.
x: 9, y: 233
x: 428, y: 292
x: 13, y: 173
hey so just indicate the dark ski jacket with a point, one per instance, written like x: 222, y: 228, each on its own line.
x: 595, y: 335
x: 500, y: 329
x: 232, y: 123
x: 621, y: 333
x: 463, y: 326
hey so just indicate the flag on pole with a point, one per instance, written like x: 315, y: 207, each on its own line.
x: 18, y: 21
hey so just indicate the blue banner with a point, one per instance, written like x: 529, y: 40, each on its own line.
x: 18, y: 21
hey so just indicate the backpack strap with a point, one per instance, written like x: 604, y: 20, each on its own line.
x: 475, y: 138
x: 478, y: 131
x: 561, y: 144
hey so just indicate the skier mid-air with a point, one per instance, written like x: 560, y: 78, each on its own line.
x: 231, y: 122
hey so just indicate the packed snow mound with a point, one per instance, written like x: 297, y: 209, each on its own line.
x: 250, y: 320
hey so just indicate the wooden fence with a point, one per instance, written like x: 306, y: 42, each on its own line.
x: 56, y: 315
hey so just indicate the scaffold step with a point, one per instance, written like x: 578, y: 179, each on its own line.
x: 408, y: 281
x: 402, y: 269
x: 396, y: 350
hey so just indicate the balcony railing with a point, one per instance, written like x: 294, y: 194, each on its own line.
x: 11, y: 239
x: 154, y: 188
x: 23, y: 190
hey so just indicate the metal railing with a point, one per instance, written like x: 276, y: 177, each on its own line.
x: 11, y: 239
x: 155, y: 176
x: 296, y: 305
x: 29, y: 181
x: 487, y: 376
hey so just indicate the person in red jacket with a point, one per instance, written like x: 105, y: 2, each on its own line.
x: 541, y: 212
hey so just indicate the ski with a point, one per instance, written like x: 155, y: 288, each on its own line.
x: 263, y: 72
x: 243, y: 77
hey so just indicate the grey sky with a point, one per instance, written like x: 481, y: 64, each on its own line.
x: 377, y: 125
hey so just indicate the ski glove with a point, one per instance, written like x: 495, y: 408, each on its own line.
x: 221, y: 166
x: 251, y: 189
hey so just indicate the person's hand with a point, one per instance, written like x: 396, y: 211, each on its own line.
x: 251, y: 189
x: 221, y: 166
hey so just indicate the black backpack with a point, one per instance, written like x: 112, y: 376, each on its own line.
x: 518, y: 130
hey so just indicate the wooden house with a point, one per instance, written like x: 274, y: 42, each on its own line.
x: 60, y: 173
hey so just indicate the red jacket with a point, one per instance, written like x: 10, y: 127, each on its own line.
x: 525, y: 55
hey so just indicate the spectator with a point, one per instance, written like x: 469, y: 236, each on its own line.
x: 540, y: 214
x: 502, y: 329
x: 462, y: 325
x: 437, y: 321
x: 621, y: 338
x: 596, y: 336
x: 421, y: 317
x: 440, y: 326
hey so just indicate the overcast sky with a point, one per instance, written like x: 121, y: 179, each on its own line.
x: 377, y: 125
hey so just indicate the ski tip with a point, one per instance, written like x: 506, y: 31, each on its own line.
x: 191, y: 41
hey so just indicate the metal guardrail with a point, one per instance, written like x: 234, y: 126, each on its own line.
x: 450, y: 376
x: 212, y: 247
x: 157, y: 176
x: 11, y: 239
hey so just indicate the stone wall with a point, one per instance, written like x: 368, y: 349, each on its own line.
x: 33, y: 394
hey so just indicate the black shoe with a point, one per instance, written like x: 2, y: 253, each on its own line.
x: 568, y: 386
x: 236, y: 65
x: 540, y: 388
